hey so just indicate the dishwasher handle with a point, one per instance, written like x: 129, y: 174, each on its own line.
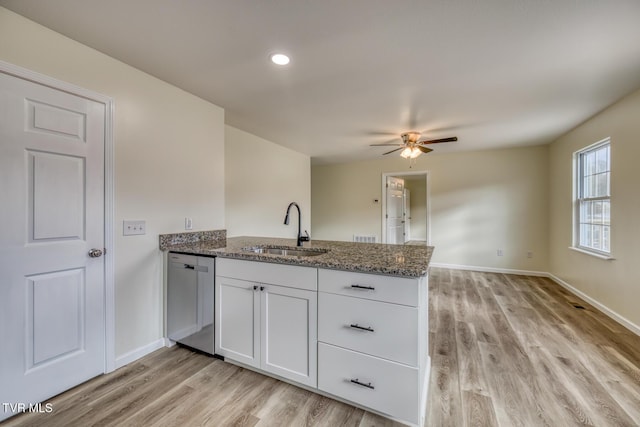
x: 200, y: 268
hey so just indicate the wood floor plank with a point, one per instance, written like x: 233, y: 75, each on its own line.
x: 603, y: 407
x: 444, y: 373
x: 506, y: 389
x: 478, y: 410
x: 572, y: 409
x: 505, y: 351
x: 471, y: 373
x: 159, y: 411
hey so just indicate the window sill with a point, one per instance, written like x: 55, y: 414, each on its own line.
x: 593, y: 254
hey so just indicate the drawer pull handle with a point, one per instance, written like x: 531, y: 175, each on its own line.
x: 189, y: 267
x: 364, y: 288
x: 362, y: 328
x: 363, y: 384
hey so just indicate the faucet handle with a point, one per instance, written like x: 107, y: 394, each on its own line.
x: 306, y: 237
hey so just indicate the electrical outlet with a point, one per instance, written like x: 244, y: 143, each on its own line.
x: 529, y: 254
x: 188, y: 224
x: 134, y: 228
x: 500, y: 252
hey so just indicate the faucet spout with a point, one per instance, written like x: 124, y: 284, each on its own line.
x: 300, y: 237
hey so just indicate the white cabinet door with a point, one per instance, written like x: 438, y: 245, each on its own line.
x: 289, y: 333
x: 238, y: 320
x: 266, y: 326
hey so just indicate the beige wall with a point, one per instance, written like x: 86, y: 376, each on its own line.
x: 615, y: 284
x: 261, y: 179
x: 479, y: 202
x: 169, y: 162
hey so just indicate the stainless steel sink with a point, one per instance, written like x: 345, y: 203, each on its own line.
x: 286, y: 251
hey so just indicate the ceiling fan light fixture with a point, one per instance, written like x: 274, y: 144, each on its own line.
x: 280, y: 59
x: 410, y: 152
x: 410, y: 137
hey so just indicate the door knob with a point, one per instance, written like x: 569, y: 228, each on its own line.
x: 95, y: 253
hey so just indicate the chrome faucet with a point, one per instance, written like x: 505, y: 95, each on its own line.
x: 301, y: 238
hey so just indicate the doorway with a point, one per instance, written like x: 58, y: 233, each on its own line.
x: 405, y: 208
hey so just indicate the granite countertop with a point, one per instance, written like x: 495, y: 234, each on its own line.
x: 393, y: 260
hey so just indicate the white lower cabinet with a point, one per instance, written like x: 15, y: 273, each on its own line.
x: 359, y: 337
x: 264, y: 325
x: 373, y: 342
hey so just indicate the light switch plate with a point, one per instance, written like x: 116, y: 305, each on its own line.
x: 134, y: 228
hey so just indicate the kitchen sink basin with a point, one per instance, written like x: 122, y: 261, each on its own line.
x: 286, y: 251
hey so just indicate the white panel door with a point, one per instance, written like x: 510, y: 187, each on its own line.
x: 289, y: 333
x: 51, y: 215
x: 407, y: 215
x: 394, y: 219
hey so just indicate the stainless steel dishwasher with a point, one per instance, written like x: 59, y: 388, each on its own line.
x: 190, y: 301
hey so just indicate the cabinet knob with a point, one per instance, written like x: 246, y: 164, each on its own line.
x: 262, y: 288
x: 255, y: 287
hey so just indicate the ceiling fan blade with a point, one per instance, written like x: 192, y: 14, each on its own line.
x: 395, y: 140
x: 436, y: 141
x: 381, y: 133
x: 385, y: 145
x: 424, y: 149
x: 392, y: 151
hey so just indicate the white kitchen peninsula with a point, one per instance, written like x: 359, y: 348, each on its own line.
x: 347, y: 320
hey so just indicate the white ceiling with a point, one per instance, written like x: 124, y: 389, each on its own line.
x: 493, y: 72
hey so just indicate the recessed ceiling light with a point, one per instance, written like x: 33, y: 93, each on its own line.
x: 280, y: 59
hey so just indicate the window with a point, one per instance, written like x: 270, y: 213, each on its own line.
x: 592, y: 204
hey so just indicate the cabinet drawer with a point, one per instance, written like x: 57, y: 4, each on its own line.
x: 263, y: 272
x: 377, y: 328
x: 385, y: 386
x: 396, y: 290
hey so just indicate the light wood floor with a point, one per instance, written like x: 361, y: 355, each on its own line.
x: 514, y: 351
x: 506, y: 351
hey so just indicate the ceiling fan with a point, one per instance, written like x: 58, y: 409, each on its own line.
x: 412, y: 146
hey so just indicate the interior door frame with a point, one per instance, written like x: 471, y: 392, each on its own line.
x: 383, y: 220
x: 109, y: 193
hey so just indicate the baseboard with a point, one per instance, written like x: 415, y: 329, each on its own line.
x: 139, y: 352
x: 490, y: 269
x: 603, y: 308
